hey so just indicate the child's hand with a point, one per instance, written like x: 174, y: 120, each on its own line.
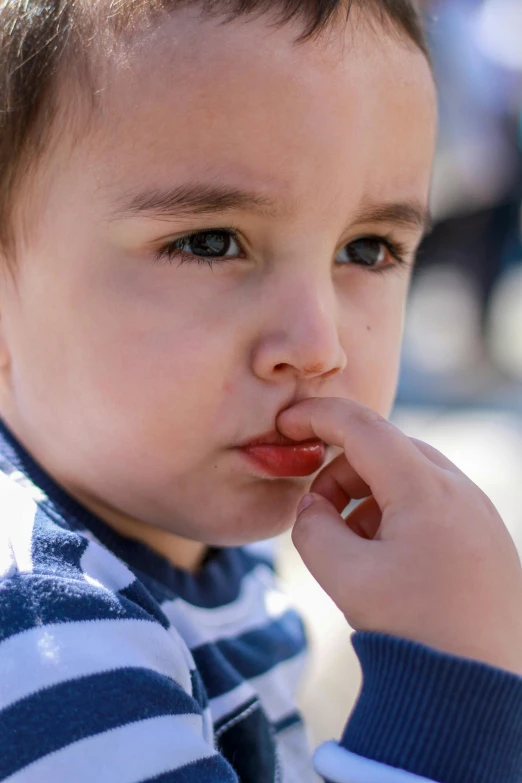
x: 426, y: 556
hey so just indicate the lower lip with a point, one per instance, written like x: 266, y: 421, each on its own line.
x: 303, y: 459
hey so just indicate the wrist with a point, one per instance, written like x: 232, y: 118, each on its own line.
x: 439, y: 716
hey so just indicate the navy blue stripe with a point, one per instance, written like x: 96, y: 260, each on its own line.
x: 55, y: 717
x: 217, y: 673
x: 29, y: 601
x: 198, y: 689
x: 248, y: 744
x: 214, y: 769
x: 138, y: 594
x: 55, y: 550
x: 294, y: 719
x: 251, y: 654
x: 217, y: 584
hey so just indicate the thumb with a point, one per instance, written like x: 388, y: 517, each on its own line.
x: 331, y: 551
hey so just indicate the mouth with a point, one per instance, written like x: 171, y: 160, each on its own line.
x: 279, y: 457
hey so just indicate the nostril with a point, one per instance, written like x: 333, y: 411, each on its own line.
x: 317, y: 368
x: 332, y: 372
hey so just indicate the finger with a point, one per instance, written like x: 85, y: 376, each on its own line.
x: 381, y: 455
x: 435, y: 456
x: 365, y: 520
x: 327, y: 545
x: 339, y: 483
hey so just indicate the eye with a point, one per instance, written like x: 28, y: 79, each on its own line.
x: 373, y: 252
x: 203, y: 246
x: 209, y: 244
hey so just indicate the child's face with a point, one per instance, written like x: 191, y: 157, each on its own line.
x: 134, y: 379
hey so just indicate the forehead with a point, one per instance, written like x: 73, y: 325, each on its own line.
x: 350, y: 114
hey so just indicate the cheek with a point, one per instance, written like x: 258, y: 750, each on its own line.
x: 373, y: 348
x: 135, y: 382
x: 156, y: 342
x: 147, y: 363
x: 162, y: 379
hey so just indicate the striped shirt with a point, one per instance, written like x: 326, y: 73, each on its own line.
x: 115, y: 667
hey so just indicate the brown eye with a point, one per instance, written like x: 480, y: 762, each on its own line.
x: 371, y: 252
x: 208, y: 244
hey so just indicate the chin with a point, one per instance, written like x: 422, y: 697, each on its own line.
x: 269, y: 513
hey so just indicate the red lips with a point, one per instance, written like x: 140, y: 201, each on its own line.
x: 280, y: 457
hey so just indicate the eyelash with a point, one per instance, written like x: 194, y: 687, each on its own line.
x: 397, y: 250
x: 170, y: 252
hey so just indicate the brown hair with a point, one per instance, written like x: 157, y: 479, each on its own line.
x: 43, y: 39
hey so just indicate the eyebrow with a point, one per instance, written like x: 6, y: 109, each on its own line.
x: 204, y: 199
x: 409, y: 214
x: 193, y: 199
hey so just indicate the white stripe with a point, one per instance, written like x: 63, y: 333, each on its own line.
x: 18, y: 513
x: 103, y: 569
x: 27, y: 485
x: 128, y: 754
x: 50, y: 654
x: 293, y: 750
x: 340, y: 766
x: 275, y: 690
x: 208, y: 727
x: 267, y: 548
x: 257, y: 603
x: 7, y: 558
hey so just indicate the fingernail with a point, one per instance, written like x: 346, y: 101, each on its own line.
x: 305, y: 502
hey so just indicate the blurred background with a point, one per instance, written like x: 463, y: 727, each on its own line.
x: 461, y: 380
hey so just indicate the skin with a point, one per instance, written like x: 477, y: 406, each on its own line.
x: 131, y: 379
x: 424, y: 556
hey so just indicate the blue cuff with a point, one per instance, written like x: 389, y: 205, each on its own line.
x: 445, y: 718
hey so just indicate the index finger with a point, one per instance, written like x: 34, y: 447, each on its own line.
x: 384, y: 458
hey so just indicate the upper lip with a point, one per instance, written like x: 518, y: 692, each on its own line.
x: 274, y: 438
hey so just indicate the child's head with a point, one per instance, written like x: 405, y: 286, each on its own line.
x: 295, y: 146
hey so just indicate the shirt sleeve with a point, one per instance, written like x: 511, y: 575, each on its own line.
x: 94, y: 689
x: 423, y: 715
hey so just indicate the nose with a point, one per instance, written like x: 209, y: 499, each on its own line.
x: 300, y: 335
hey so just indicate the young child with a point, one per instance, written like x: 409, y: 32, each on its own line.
x: 210, y: 211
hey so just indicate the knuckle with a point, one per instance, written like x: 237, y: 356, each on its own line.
x: 447, y: 486
x: 489, y: 506
x: 428, y: 449
x: 440, y: 485
x: 476, y: 497
x: 371, y: 418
